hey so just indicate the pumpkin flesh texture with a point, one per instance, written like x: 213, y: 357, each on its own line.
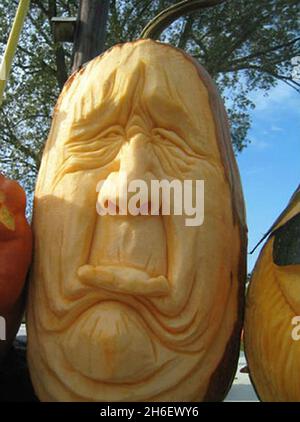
x: 141, y: 109
x: 273, y: 300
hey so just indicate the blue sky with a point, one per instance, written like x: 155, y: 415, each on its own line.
x: 270, y: 165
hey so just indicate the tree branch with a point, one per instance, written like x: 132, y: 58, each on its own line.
x: 264, y: 52
x: 40, y: 4
x: 60, y: 60
x: 201, y: 45
x: 31, y: 117
x: 133, y: 24
x: 115, y: 20
x: 185, y: 34
x: 66, y: 6
x: 42, y: 62
x: 288, y: 80
x: 241, y: 37
x: 40, y: 30
x: 28, y: 152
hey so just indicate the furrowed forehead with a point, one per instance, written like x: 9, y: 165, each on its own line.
x: 143, y: 77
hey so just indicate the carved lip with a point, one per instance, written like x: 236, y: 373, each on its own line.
x: 122, y: 279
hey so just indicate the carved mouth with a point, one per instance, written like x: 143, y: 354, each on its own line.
x: 128, y: 255
x: 125, y: 280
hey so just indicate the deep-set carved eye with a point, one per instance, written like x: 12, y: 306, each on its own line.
x: 88, y: 153
x: 286, y: 247
x: 169, y: 138
x: 114, y: 133
x: 177, y: 156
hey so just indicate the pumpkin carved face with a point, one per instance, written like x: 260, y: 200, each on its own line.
x: 125, y: 307
x: 273, y: 303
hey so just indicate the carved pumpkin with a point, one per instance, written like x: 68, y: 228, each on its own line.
x: 136, y: 308
x: 273, y: 301
x: 15, y: 257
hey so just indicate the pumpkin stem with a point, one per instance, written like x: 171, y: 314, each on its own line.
x: 165, y: 18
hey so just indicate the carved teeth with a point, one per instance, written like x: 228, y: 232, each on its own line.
x: 124, y: 280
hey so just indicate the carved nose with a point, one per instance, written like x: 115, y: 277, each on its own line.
x: 135, y: 158
x: 132, y: 181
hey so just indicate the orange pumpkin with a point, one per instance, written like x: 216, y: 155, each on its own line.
x: 15, y: 257
x: 272, y: 308
x: 137, y: 307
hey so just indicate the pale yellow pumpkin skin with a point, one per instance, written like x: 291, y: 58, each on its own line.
x: 99, y: 330
x: 273, y: 300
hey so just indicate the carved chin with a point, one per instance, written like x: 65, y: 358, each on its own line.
x: 110, y: 342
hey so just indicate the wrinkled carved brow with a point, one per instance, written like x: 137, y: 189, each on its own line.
x: 117, y: 101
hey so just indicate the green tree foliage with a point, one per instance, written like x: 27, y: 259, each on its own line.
x: 246, y: 45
